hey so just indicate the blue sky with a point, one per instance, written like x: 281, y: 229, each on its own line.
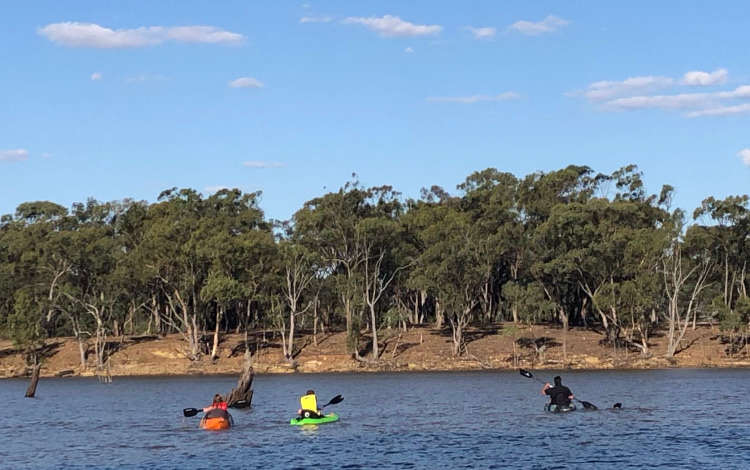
x: 125, y: 99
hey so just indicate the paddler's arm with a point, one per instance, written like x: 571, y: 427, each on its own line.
x: 545, y: 388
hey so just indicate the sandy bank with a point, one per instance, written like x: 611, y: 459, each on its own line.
x: 419, y: 349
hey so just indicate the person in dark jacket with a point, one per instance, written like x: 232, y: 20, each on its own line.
x: 560, y: 396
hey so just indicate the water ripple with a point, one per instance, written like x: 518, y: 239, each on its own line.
x: 388, y: 421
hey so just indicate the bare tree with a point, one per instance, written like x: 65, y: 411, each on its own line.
x: 299, y: 272
x: 184, y: 323
x: 375, y: 283
x: 682, y: 297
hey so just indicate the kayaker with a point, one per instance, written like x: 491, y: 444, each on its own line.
x: 218, y: 404
x: 309, y: 406
x: 559, y: 395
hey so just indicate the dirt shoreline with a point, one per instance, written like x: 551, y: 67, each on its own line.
x: 417, y: 350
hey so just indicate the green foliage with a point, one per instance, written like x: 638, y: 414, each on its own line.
x: 735, y: 319
x: 567, y: 245
x: 532, y: 304
x: 24, y: 324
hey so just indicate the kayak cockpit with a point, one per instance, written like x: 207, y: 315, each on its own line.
x: 216, y: 420
x: 553, y: 408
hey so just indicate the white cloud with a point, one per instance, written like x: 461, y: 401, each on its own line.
x: 75, y: 34
x: 708, y: 101
x: 203, y: 34
x: 744, y: 154
x: 721, y: 111
x: 409, y: 50
x: 699, y: 78
x: 14, y: 155
x: 482, y: 33
x: 549, y: 24
x: 262, y: 164
x: 96, y: 76
x: 508, y: 95
x: 683, y: 100
x: 605, y: 90
x: 246, y: 82
x: 739, y: 92
x: 315, y: 19
x: 391, y: 26
x: 46, y: 155
x: 635, y: 93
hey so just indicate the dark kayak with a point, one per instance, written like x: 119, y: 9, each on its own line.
x: 329, y: 418
x: 559, y: 409
x: 216, y: 420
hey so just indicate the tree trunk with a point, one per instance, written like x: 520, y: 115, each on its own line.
x: 82, y: 351
x: 242, y: 395
x: 375, y: 350
x: 290, y: 346
x: 422, y: 300
x: 564, y: 318
x: 315, y: 325
x: 438, y: 315
x: 348, y: 316
x: 31, y: 391
x: 215, y: 348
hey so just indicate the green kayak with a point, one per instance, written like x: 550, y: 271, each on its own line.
x: 329, y: 418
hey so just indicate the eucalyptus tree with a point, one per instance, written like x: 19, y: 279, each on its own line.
x: 490, y: 198
x: 422, y: 214
x: 380, y: 267
x: 451, y: 267
x: 551, y: 206
x: 95, y: 287
x: 230, y: 222
x: 221, y: 290
x: 300, y: 269
x: 172, y: 267
x: 729, y: 239
x: 329, y: 225
x: 685, y: 279
x: 32, y: 274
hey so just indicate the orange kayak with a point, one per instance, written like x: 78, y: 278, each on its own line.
x: 216, y: 420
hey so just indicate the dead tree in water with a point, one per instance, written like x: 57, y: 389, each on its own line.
x: 34, y: 380
x: 242, y: 395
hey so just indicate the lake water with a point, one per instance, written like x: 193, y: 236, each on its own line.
x: 670, y: 419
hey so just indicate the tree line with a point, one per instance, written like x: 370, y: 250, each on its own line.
x: 572, y: 247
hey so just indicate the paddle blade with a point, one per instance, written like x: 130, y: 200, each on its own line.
x: 188, y: 412
x: 588, y: 406
x: 526, y: 373
x: 336, y: 399
x: 333, y: 401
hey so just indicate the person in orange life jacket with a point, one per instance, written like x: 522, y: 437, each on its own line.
x: 309, y: 406
x: 218, y: 404
x: 559, y: 395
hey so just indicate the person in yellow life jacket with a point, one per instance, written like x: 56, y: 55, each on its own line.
x: 309, y: 406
